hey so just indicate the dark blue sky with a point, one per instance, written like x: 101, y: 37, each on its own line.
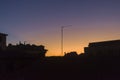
x: 39, y: 22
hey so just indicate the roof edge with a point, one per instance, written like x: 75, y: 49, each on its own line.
x: 4, y: 34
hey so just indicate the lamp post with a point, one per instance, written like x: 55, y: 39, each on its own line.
x: 62, y: 37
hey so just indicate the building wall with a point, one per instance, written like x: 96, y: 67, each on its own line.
x: 103, y: 48
x: 2, y: 41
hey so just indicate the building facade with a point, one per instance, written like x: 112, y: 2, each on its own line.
x: 103, y: 48
x: 2, y: 41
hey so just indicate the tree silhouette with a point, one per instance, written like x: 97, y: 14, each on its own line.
x: 71, y: 54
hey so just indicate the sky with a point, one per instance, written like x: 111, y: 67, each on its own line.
x: 39, y: 22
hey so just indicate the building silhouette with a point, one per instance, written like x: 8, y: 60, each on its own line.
x: 27, y: 50
x: 103, y: 48
x: 21, y: 49
x: 3, y: 41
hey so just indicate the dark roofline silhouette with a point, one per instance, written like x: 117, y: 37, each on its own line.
x: 4, y: 34
x: 106, y: 41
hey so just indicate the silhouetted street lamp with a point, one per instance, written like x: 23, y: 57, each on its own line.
x: 62, y: 37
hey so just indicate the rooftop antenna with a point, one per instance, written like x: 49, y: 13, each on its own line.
x: 62, y: 38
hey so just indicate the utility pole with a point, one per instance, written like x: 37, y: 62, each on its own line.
x: 62, y: 38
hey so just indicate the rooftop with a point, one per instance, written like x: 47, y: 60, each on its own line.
x: 105, y: 43
x: 3, y: 34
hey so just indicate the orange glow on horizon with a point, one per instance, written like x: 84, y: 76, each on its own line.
x: 75, y: 38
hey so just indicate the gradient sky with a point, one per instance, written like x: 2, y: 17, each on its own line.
x: 39, y: 22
